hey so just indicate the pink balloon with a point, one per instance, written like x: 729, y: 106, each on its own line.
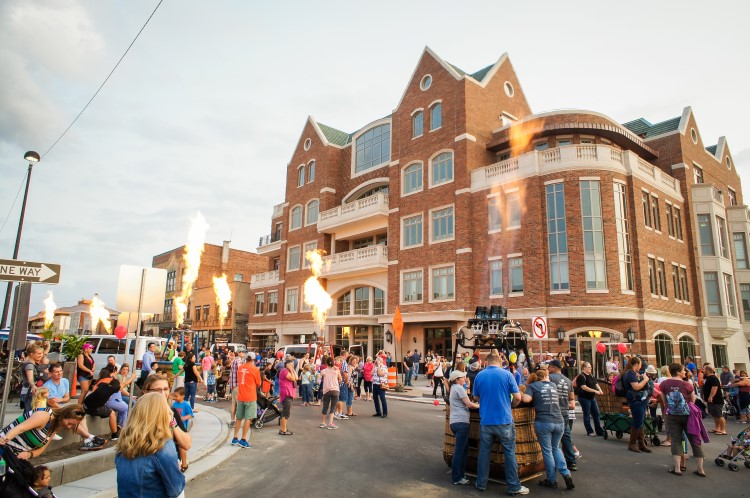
x: 622, y: 348
x: 121, y: 331
x: 436, y: 402
x: 601, y: 347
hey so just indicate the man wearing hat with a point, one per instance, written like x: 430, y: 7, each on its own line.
x: 232, y: 385
x: 567, y: 403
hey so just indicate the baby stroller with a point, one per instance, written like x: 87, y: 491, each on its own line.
x: 19, y: 475
x: 737, y: 451
x: 267, y: 410
x: 221, y: 385
x: 729, y: 410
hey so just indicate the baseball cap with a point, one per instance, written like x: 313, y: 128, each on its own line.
x: 555, y: 363
x: 251, y: 355
x: 456, y: 374
x: 88, y: 345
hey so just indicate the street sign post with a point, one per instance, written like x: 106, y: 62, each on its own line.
x: 15, y: 270
x: 539, y: 330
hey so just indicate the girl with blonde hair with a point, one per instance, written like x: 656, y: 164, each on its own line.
x: 40, y: 399
x: 146, y: 459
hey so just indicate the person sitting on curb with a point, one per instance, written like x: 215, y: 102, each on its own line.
x: 95, y: 403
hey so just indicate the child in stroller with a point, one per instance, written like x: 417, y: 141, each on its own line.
x: 737, y: 451
x: 267, y: 410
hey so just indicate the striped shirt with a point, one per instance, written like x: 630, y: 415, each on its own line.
x: 29, y: 440
x: 233, y: 372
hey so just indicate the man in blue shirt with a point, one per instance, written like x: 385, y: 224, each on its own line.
x: 59, y: 387
x: 692, y: 367
x: 149, y: 357
x: 494, y: 388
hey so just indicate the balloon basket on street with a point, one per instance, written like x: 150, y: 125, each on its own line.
x: 615, y: 416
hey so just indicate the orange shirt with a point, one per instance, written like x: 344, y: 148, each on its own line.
x: 248, y: 380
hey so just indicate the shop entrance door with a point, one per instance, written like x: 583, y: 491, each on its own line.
x: 439, y: 341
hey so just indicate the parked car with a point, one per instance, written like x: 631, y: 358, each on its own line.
x: 106, y: 345
x: 4, y: 335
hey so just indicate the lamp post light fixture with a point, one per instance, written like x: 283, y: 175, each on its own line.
x: 631, y: 334
x: 389, y: 337
x: 32, y: 158
x: 560, y: 334
x: 275, y: 338
x: 314, y: 337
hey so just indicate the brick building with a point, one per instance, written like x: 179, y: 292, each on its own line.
x: 463, y: 197
x: 73, y: 320
x: 202, y: 315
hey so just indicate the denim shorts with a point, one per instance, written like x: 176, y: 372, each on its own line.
x: 346, y: 395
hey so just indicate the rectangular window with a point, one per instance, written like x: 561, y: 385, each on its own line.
x: 168, y: 306
x: 296, y: 221
x: 206, y: 311
x: 732, y: 195
x: 713, y: 295
x: 412, y: 231
x: 344, y: 304
x: 646, y: 201
x: 293, y: 259
x: 442, y: 168
x: 740, y: 250
x: 706, y: 236
x: 562, y: 143
x: 697, y: 174
x: 625, y: 256
x: 311, y: 172
x: 745, y: 296
x: 593, y: 235
x: 587, y: 141
x: 259, y: 303
x: 541, y: 146
x: 362, y: 301
x: 238, y: 277
x: 442, y: 224
x: 273, y: 302
x: 731, y: 296
x: 516, y: 275
x: 557, y: 234
x: 413, y: 178
x: 513, y: 203
x: 277, y: 232
x: 496, y: 277
x: 662, y: 277
x: 720, y: 354
x: 378, y: 302
x: 309, y: 247
x: 197, y: 313
x: 677, y: 223
x: 443, y: 284
x: 412, y: 286
x: 652, y: 276
x: 494, y: 213
x: 723, y: 240
x: 417, y: 122
x: 171, y: 279
x: 684, y: 285
x: 292, y: 298
x: 436, y: 117
x: 670, y: 220
x: 676, y: 282
x: 655, y: 214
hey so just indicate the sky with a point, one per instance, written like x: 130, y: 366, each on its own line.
x: 205, y: 111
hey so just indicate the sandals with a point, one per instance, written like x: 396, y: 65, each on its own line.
x: 285, y: 433
x: 699, y: 474
x: 720, y: 433
x: 184, y: 469
x: 674, y: 472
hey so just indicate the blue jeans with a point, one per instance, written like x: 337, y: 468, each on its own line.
x: 379, y: 398
x: 549, y: 435
x: 638, y: 412
x: 415, y: 371
x: 408, y: 377
x: 566, y: 443
x: 506, y: 434
x: 307, y: 394
x: 460, y: 452
x: 590, y: 408
x: 190, y: 389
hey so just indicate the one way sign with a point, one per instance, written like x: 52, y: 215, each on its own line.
x: 12, y: 270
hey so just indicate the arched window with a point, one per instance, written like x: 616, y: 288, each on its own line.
x: 301, y: 175
x: 373, y: 148
x: 436, y: 116
x: 413, y: 178
x: 380, y: 189
x: 312, y: 213
x: 295, y: 221
x: 687, y: 348
x: 311, y: 171
x: 664, y: 354
x: 442, y: 168
x: 344, y: 304
x: 417, y: 124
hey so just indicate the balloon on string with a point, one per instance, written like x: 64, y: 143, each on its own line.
x: 622, y: 348
x: 513, y: 357
x: 601, y: 347
x: 121, y: 331
x: 436, y: 402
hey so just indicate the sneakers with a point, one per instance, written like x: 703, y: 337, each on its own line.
x: 244, y: 444
x: 523, y: 491
x: 578, y: 454
x: 569, y: 482
x: 462, y: 482
x: 332, y: 427
x: 572, y: 466
x: 57, y: 437
x: 115, y: 436
x: 231, y: 424
x: 340, y: 416
x: 235, y: 441
x: 100, y: 440
x: 92, y: 445
x: 322, y: 426
x: 548, y: 484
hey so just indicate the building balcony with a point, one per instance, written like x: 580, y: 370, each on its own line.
x: 267, y: 279
x: 567, y: 157
x: 723, y: 327
x: 269, y: 245
x: 371, y: 259
x: 212, y: 324
x: 361, y: 217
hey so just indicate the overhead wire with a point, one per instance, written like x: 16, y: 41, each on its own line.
x: 7, y: 217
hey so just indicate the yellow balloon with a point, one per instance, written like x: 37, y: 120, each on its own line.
x: 513, y: 357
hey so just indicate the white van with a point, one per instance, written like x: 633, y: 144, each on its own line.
x: 233, y: 346
x: 300, y: 350
x: 109, y: 345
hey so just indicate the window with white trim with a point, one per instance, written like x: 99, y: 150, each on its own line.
x: 723, y: 239
x: 670, y: 220
x: 417, y: 124
x: 292, y: 298
x: 311, y: 172
x: 413, y: 178
x: 411, y: 286
x: 732, y: 195
x: 373, y: 148
x: 593, y: 235
x: 745, y: 297
x: 344, y: 303
x: 362, y: 301
x: 443, y: 283
x: 436, y: 116
x: 677, y: 223
x: 731, y: 297
x: 705, y: 235
x: 442, y: 224
x: 305, y: 306
x: 293, y: 258
x: 652, y: 275
x: 513, y: 203
x: 259, y: 303
x: 494, y: 213
x: 697, y: 174
x: 740, y: 250
x: 646, y: 203
x: 516, y: 275
x: 442, y: 168
x: 713, y: 295
x: 295, y: 220
x: 301, y: 175
x: 273, y: 302
x: 309, y: 247
x: 661, y: 273
x: 313, y: 208
x: 676, y: 281
x: 625, y: 256
x: 684, y: 285
x: 557, y: 235
x: 412, y: 231
x: 655, y: 215
x: 378, y: 301
x: 496, y: 277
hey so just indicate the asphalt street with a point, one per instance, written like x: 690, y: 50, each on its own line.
x: 402, y: 456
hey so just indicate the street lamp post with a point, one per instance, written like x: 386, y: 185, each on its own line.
x: 32, y: 158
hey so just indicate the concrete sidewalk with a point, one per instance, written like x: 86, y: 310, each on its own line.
x: 210, y: 435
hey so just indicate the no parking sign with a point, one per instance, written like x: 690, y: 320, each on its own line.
x: 539, y: 327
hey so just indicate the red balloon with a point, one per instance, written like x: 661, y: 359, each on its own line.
x: 279, y: 354
x: 436, y: 402
x: 121, y: 331
x: 622, y: 348
x: 601, y: 347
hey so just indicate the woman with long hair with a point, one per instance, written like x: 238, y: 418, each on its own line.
x: 29, y: 434
x: 636, y: 393
x: 85, y: 370
x: 146, y: 459
x: 192, y: 377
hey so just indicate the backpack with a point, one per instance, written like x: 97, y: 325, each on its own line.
x: 576, y: 388
x: 676, y: 403
x: 621, y: 388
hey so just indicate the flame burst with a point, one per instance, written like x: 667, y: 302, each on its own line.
x: 99, y: 314
x: 192, y: 257
x: 49, y: 310
x: 520, y: 135
x: 223, y: 297
x: 315, y: 295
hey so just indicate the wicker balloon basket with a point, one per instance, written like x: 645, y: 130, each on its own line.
x: 528, y: 451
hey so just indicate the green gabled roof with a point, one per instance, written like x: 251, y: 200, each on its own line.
x: 336, y: 137
x: 644, y: 129
x: 479, y: 75
x: 712, y: 149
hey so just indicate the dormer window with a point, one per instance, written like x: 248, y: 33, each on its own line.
x: 373, y: 148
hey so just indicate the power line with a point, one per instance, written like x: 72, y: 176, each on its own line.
x: 105, y: 80
x: 7, y: 217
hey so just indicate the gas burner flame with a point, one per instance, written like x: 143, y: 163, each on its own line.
x: 192, y: 257
x: 49, y: 309
x: 223, y: 297
x: 315, y: 295
x: 99, y: 314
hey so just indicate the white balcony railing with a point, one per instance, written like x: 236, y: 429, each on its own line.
x: 364, y: 260
x: 266, y: 279
x: 367, y: 208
